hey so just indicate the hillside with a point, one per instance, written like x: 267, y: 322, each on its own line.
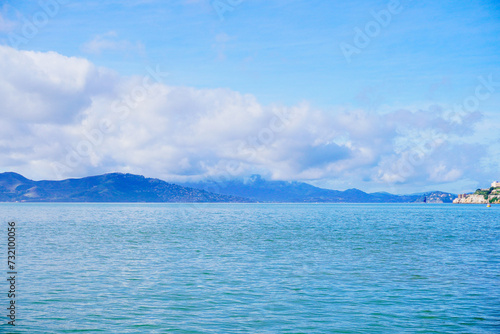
x: 261, y: 190
x: 114, y: 187
x: 480, y: 196
x: 118, y: 187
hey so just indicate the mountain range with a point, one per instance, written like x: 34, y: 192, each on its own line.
x: 261, y: 190
x: 114, y: 187
x: 118, y: 187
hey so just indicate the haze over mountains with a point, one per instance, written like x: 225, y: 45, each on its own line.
x: 118, y: 187
x: 261, y: 190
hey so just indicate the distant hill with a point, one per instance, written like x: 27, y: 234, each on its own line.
x: 439, y: 197
x: 261, y: 190
x: 115, y: 187
x: 118, y: 187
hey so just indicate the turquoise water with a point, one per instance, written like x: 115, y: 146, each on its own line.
x: 254, y: 268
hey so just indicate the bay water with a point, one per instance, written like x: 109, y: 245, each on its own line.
x: 253, y: 268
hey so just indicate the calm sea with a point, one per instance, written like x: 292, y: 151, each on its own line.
x: 253, y: 268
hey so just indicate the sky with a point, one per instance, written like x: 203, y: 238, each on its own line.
x: 399, y: 96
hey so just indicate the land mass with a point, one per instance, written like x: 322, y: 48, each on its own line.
x: 481, y: 196
x: 258, y: 189
x: 114, y: 187
x: 118, y: 187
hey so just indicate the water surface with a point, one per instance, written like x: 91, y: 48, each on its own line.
x: 255, y: 268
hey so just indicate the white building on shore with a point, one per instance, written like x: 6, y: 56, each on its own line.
x: 495, y: 184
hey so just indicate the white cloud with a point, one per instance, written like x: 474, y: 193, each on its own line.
x: 64, y: 117
x: 46, y: 87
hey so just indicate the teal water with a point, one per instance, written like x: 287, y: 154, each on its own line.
x: 254, y: 268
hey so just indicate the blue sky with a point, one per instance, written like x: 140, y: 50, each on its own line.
x: 354, y: 118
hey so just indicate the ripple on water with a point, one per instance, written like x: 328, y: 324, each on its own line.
x: 259, y: 268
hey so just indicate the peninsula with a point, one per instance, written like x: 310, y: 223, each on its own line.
x: 481, y: 196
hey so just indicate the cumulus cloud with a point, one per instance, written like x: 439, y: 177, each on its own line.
x: 65, y: 117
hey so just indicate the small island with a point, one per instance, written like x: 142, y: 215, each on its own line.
x: 481, y: 196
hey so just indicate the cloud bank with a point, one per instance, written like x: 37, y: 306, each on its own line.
x: 65, y: 117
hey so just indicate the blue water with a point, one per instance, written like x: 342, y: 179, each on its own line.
x: 254, y: 268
